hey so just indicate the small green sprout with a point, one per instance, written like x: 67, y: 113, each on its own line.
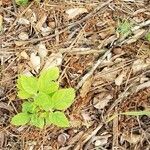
x: 45, y: 102
x: 21, y: 2
x: 129, y: 113
x: 124, y: 27
x: 148, y: 36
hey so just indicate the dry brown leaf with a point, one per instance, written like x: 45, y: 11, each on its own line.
x: 23, y: 21
x: 42, y: 50
x: 45, y: 31
x: 20, y: 43
x: 108, y: 74
x: 35, y: 61
x: 119, y: 79
x: 73, y: 12
x: 101, y: 140
x: 24, y: 55
x: 23, y: 36
x: 41, y: 21
x: 139, y: 65
x: 132, y: 138
x: 86, y: 87
x: 101, y: 101
x: 54, y: 60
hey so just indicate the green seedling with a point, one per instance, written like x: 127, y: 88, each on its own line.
x: 148, y: 36
x: 21, y: 2
x: 129, y: 113
x: 124, y: 27
x: 44, y: 102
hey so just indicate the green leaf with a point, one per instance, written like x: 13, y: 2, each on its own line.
x: 148, y: 36
x: 28, y: 107
x: 44, y: 101
x: 49, y: 88
x: 124, y: 27
x: 45, y: 81
x: 23, y: 94
x: 20, y: 119
x: 29, y: 84
x: 136, y: 113
x: 63, y: 98
x: 21, y: 2
x: 59, y: 119
x: 37, y: 121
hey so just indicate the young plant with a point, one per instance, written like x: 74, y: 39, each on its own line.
x: 148, y: 36
x: 124, y: 27
x: 45, y: 102
x: 21, y: 2
x: 129, y: 113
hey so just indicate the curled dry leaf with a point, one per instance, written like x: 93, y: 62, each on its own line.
x: 101, y: 101
x: 108, y: 74
x: 86, y: 87
x: 119, y: 79
x: 139, y: 65
x: 132, y: 138
x: 41, y: 21
x: 54, y: 60
x: 73, y: 12
x: 45, y: 31
x: 24, y: 55
x: 23, y: 21
x: 20, y: 43
x: 35, y: 61
x: 42, y: 51
x: 23, y: 36
x: 101, y: 140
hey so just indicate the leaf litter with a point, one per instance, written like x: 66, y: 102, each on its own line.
x: 75, y: 35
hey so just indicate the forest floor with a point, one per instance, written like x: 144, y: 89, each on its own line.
x: 103, y: 51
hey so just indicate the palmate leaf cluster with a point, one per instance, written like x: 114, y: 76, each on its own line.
x: 44, y: 102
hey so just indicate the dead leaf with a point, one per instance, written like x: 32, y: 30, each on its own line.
x: 20, y: 43
x: 86, y: 87
x: 108, y: 74
x: 54, y: 60
x: 45, y: 31
x: 131, y: 138
x: 24, y: 55
x: 119, y: 79
x: 73, y: 12
x: 42, y: 51
x: 101, y: 101
x: 35, y: 61
x: 23, y: 36
x: 101, y: 140
x: 139, y: 65
x: 41, y: 21
x: 23, y: 21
